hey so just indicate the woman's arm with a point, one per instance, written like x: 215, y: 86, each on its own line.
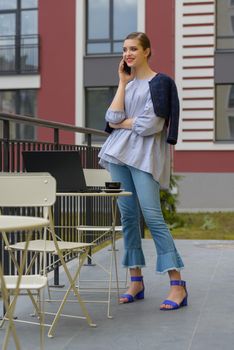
x: 145, y: 124
x: 125, y: 124
x: 118, y: 101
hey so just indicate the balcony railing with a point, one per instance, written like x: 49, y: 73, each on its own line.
x: 19, y: 54
x: 66, y: 220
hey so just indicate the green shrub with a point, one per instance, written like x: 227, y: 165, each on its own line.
x: 168, y: 203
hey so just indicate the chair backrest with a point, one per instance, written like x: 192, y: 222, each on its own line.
x: 96, y: 177
x: 27, y: 190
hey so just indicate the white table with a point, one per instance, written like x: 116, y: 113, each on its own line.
x: 111, y: 228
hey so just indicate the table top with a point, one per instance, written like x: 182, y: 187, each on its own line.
x: 94, y: 194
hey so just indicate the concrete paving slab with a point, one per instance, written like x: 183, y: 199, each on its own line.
x: 207, y: 323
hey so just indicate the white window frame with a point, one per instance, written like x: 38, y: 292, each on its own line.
x: 80, y: 52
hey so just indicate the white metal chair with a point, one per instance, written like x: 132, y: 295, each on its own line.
x: 23, y: 190
x: 97, y: 178
x: 60, y: 249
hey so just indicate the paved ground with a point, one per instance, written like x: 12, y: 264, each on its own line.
x: 207, y: 323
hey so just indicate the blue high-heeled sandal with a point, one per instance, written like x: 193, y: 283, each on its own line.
x: 174, y: 305
x: 140, y: 295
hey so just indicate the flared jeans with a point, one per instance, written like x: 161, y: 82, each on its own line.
x: 145, y: 195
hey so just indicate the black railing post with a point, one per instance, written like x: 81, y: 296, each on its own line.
x: 56, y: 215
x: 56, y: 138
x: 6, y: 168
x: 6, y: 145
x: 17, y: 54
x: 89, y: 206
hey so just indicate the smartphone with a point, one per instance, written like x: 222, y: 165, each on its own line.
x: 127, y: 69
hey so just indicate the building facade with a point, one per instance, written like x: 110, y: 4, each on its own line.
x: 58, y: 61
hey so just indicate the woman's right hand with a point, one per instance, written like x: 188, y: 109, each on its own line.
x: 123, y: 76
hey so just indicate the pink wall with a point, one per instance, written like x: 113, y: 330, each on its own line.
x: 56, y: 98
x: 160, y: 17
x: 204, y: 161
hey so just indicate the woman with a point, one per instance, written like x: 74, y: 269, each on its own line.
x: 137, y: 154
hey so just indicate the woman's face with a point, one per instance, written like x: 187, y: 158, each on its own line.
x: 133, y: 53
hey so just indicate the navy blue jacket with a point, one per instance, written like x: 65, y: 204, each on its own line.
x: 166, y: 104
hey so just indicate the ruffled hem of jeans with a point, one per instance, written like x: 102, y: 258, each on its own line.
x: 133, y: 266
x: 171, y: 269
x: 133, y: 258
x: 168, y: 262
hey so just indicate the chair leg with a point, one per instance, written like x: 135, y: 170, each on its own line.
x: 41, y: 302
x: 35, y: 304
x: 48, y: 290
x: 72, y: 287
x: 10, y: 310
x: 110, y: 285
x: 11, y: 325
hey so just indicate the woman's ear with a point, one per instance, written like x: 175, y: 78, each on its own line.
x: 147, y: 52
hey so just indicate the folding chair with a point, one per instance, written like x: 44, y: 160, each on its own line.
x: 61, y: 249
x: 20, y: 191
x: 97, y: 178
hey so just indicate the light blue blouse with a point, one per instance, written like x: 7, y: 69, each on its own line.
x: 144, y: 146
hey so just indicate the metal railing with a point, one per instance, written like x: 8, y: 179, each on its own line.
x: 19, y: 54
x: 67, y: 211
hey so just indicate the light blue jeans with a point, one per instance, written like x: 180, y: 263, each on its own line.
x: 146, y: 196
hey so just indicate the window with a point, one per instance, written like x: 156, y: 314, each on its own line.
x: 225, y: 112
x: 225, y: 24
x: 18, y: 36
x: 231, y: 97
x: 231, y: 126
x: 98, y: 100
x: 232, y: 23
x: 108, y: 22
x: 20, y: 102
x: 8, y: 4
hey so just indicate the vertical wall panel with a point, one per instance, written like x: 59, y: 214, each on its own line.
x: 56, y: 97
x: 160, y: 16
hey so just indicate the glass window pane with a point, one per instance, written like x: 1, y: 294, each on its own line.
x: 125, y: 18
x: 28, y: 102
x: 29, y: 23
x: 7, y: 24
x: 8, y: 4
x: 29, y: 60
x: 98, y: 19
x: 231, y: 126
x: 7, y: 101
x: 224, y: 112
x: 8, y: 104
x: 21, y: 102
x: 232, y: 22
x: 225, y: 25
x: 97, y: 102
x: 7, y: 42
x: 118, y: 47
x: 98, y: 48
x: 26, y: 4
x: 28, y: 106
x: 231, y: 97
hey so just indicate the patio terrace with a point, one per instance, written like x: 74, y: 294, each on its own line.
x: 207, y: 323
